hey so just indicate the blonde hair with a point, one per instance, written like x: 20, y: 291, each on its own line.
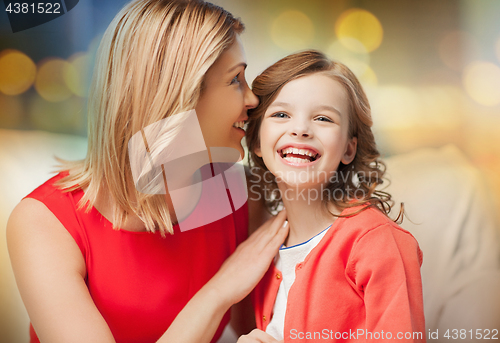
x: 366, y: 168
x: 150, y: 65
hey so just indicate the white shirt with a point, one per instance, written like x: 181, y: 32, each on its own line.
x: 286, y: 260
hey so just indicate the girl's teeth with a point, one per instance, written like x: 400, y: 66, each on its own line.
x: 297, y: 160
x: 295, y: 151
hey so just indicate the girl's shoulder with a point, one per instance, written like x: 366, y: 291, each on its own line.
x: 372, y: 220
x: 372, y: 227
x: 367, y: 216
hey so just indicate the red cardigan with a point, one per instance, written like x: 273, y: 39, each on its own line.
x: 360, y: 283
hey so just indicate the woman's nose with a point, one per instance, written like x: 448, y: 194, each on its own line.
x: 251, y: 100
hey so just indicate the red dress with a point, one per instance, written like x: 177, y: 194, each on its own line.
x: 140, y: 281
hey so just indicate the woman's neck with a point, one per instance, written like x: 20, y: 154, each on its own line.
x: 105, y: 205
x: 186, y: 201
x: 307, y: 215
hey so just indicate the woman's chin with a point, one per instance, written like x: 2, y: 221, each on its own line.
x: 227, y: 154
x: 241, y: 152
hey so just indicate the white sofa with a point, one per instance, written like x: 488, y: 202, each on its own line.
x: 451, y: 214
x: 449, y: 208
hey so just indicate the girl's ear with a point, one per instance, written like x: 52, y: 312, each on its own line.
x: 350, y: 151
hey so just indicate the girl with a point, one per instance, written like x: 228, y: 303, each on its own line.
x: 97, y: 261
x: 346, y: 271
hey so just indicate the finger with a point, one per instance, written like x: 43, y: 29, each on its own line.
x: 277, y: 222
x: 281, y: 233
x: 281, y: 216
x: 270, y: 244
x: 261, y: 336
x: 269, y: 228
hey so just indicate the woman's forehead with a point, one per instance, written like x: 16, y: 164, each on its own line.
x: 232, y: 58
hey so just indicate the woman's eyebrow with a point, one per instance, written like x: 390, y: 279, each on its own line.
x: 242, y: 64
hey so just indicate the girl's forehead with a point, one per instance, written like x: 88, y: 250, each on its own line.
x: 314, y: 90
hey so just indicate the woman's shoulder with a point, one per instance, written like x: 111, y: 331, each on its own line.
x: 46, y: 209
x: 48, y: 188
x: 45, y: 258
x: 34, y: 227
x: 29, y: 216
x: 62, y: 203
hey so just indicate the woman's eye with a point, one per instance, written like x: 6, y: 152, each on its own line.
x: 280, y: 115
x: 235, y: 79
x: 325, y: 119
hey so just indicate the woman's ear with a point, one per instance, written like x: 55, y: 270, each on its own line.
x: 257, y: 151
x: 350, y: 151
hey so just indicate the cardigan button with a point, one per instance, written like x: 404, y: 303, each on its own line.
x: 278, y: 276
x: 264, y: 318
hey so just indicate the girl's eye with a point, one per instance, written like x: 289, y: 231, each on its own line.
x: 235, y: 80
x: 280, y: 115
x: 325, y: 119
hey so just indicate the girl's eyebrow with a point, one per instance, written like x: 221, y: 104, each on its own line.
x: 328, y: 108
x: 280, y: 104
x: 318, y: 108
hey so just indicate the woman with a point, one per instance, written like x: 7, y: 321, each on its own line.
x: 92, y: 255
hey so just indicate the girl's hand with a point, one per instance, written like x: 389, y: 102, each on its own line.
x: 241, y: 272
x: 258, y: 336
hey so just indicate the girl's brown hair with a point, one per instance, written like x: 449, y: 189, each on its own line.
x: 364, y: 173
x: 151, y: 64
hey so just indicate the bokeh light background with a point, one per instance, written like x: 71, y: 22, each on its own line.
x: 431, y: 68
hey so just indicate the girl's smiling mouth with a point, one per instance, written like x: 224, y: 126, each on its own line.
x: 298, y: 156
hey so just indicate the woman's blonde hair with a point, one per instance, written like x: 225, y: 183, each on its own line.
x: 364, y: 173
x: 150, y: 65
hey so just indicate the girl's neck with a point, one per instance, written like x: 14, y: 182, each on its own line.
x: 307, y: 215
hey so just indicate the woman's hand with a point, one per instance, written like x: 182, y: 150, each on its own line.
x: 241, y: 272
x: 236, y: 278
x: 258, y: 336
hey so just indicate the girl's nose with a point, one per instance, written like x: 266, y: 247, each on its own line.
x: 301, y: 130
x: 301, y: 134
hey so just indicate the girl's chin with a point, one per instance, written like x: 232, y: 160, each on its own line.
x: 301, y: 185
